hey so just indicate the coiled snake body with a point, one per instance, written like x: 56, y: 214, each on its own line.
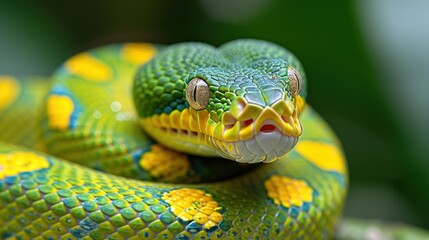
x: 243, y: 101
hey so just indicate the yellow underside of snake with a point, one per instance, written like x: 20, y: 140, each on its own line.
x: 140, y: 141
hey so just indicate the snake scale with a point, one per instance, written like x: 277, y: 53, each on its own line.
x: 149, y: 132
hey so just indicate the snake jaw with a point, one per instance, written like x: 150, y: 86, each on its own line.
x: 247, y: 134
x: 263, y: 147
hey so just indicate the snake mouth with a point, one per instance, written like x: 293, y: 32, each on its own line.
x: 268, y: 128
x: 247, y: 133
x: 244, y: 120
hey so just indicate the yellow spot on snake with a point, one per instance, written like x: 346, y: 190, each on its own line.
x: 9, y: 89
x: 13, y: 163
x: 194, y: 204
x: 88, y: 67
x: 59, y: 111
x: 138, y: 53
x: 288, y: 191
x: 324, y: 155
x: 165, y: 164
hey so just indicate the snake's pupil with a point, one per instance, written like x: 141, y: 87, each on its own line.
x: 195, y: 93
x: 298, y: 83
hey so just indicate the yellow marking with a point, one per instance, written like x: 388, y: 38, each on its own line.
x: 165, y: 164
x: 194, y: 204
x: 203, y: 119
x: 228, y: 119
x: 138, y: 53
x: 177, y: 136
x: 269, y: 114
x: 59, y: 111
x: 184, y: 119
x: 299, y: 104
x: 283, y: 113
x: 13, y: 163
x: 232, y: 133
x: 88, y: 67
x: 165, y: 120
x: 175, y: 119
x: 288, y: 191
x: 237, y: 107
x: 218, y: 131
x: 193, y: 121
x: 9, y: 90
x: 210, y: 128
x: 285, y: 107
x: 246, y: 132
x: 250, y: 111
x: 324, y: 155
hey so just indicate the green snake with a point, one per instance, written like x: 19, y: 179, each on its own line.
x: 151, y: 131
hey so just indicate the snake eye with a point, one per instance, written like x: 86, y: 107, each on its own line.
x: 197, y: 94
x: 295, y: 81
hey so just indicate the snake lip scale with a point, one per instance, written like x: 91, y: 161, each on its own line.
x: 263, y: 147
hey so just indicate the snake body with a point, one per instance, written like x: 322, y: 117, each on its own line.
x: 243, y: 101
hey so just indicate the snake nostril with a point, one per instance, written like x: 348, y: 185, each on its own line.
x: 268, y: 128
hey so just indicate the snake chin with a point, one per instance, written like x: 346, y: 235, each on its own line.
x: 264, y: 147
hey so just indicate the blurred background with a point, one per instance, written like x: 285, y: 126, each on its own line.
x: 367, y: 63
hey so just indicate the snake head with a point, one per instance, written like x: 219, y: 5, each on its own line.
x: 253, y: 110
x: 240, y: 102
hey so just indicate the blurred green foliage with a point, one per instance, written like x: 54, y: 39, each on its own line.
x: 325, y: 35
